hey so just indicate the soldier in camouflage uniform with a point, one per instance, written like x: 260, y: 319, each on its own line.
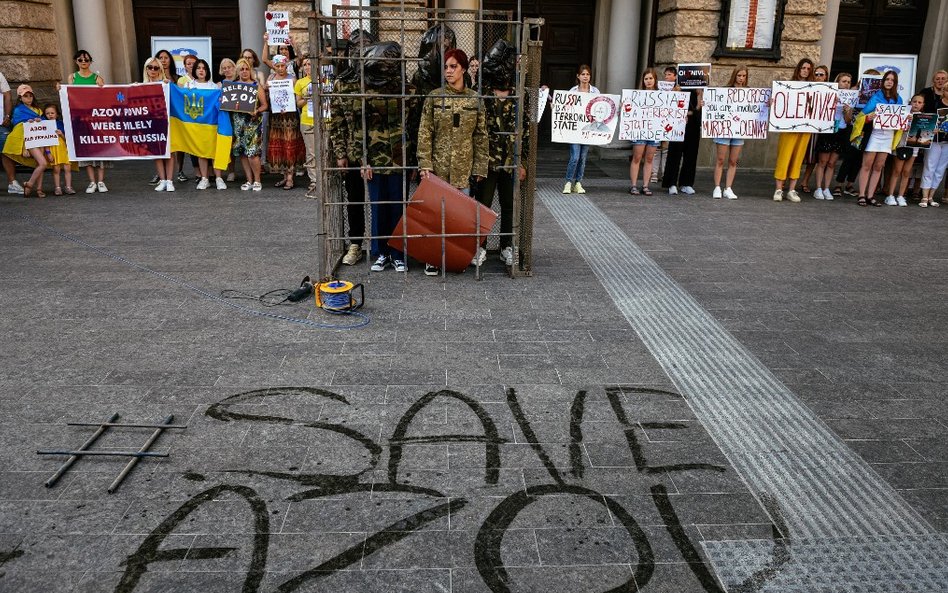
x: 503, y: 117
x: 452, y: 134
x: 340, y: 140
x: 436, y: 40
x: 380, y: 148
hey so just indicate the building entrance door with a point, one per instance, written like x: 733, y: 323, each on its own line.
x: 217, y: 19
x: 877, y: 26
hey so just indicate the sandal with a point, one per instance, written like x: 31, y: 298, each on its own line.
x: 27, y: 189
x: 923, y: 203
x: 805, y: 189
x: 634, y: 191
x: 873, y: 202
x: 933, y: 203
x: 861, y: 201
x: 287, y: 186
x: 646, y: 191
x: 70, y: 191
x: 58, y: 191
x: 280, y: 183
x: 837, y: 192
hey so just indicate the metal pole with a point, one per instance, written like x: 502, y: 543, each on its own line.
x: 65, y: 466
x: 134, y: 460
x: 315, y: 79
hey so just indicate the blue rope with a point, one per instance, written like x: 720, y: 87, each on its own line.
x: 364, y: 319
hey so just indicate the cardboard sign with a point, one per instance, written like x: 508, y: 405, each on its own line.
x: 922, y: 131
x: 892, y: 117
x: 116, y: 122
x: 802, y: 106
x: 653, y: 115
x: 423, y: 216
x: 584, y: 118
x: 278, y: 26
x: 735, y: 112
x: 666, y: 85
x: 694, y: 75
x: 239, y: 97
x: 40, y: 134
x: 849, y: 97
x: 282, y: 98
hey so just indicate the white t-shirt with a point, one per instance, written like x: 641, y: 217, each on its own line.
x: 4, y: 85
x: 592, y: 89
x: 193, y: 84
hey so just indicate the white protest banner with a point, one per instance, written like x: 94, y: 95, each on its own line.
x: 278, y: 26
x: 653, y: 115
x: 801, y: 106
x: 541, y: 102
x: 39, y: 134
x: 735, y: 112
x: 666, y: 85
x: 893, y: 117
x: 282, y: 99
x: 849, y: 97
x: 584, y: 118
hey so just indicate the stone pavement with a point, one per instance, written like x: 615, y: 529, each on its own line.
x: 689, y: 395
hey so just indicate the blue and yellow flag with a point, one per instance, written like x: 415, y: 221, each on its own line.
x: 199, y: 127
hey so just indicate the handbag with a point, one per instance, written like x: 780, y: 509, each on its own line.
x: 904, y: 153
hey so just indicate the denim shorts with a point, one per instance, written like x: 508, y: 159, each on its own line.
x: 4, y: 132
x: 729, y: 141
x: 645, y: 142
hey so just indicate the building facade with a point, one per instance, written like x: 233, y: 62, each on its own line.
x: 618, y: 38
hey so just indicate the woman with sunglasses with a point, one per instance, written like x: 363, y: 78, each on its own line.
x: 820, y: 74
x: 154, y: 72
x: 248, y: 130
x: 832, y: 144
x: 85, y: 76
x: 261, y: 79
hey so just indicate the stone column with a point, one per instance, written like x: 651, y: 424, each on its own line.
x: 92, y: 35
x: 623, y: 53
x: 251, y: 23
x: 828, y: 41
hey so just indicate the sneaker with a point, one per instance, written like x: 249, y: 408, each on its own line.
x: 221, y: 184
x: 901, y: 201
x: 92, y: 187
x: 673, y: 191
x: 160, y: 187
x: 687, y: 189
x: 257, y: 186
x: 102, y: 188
x: 231, y: 177
x: 431, y: 270
x: 169, y: 185
x: 890, y: 201
x: 480, y: 256
x: 716, y: 194
x: 506, y: 256
x: 353, y: 255
x: 567, y: 189
x: 245, y: 186
x: 381, y: 263
x: 204, y: 183
x: 818, y: 194
x: 729, y: 194
x: 399, y: 265
x: 578, y: 188
x: 778, y: 195
x: 15, y: 188
x: 155, y: 180
x: 793, y: 196
x: 827, y: 194
x: 181, y: 177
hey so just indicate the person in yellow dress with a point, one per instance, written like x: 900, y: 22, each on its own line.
x: 58, y: 156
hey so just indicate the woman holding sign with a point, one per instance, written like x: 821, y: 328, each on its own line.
x: 791, y: 146
x: 578, y: 152
x: 643, y: 148
x: 26, y: 111
x: 154, y: 71
x: 285, y: 148
x: 248, y: 130
x: 728, y: 149
x: 876, y: 144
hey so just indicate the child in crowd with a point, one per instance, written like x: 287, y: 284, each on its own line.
x: 58, y: 156
x: 903, y: 162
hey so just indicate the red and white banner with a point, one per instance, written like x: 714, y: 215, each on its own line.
x: 893, y: 117
x: 116, y: 122
x: 802, y: 106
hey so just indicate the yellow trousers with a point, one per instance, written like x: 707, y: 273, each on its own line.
x: 791, y: 148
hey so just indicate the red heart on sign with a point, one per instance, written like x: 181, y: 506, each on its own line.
x: 282, y: 24
x: 269, y: 16
x: 668, y: 127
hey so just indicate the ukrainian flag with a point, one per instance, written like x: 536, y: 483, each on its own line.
x: 199, y: 127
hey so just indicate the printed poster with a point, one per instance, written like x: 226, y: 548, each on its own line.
x: 653, y: 115
x: 941, y: 124
x: 584, y: 118
x: 694, y: 75
x: 905, y: 65
x: 892, y: 117
x: 282, y: 98
x: 239, y: 97
x: 802, y: 106
x: 922, y: 131
x: 868, y: 85
x: 116, y: 122
x: 735, y: 112
x: 39, y: 134
x: 278, y: 26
